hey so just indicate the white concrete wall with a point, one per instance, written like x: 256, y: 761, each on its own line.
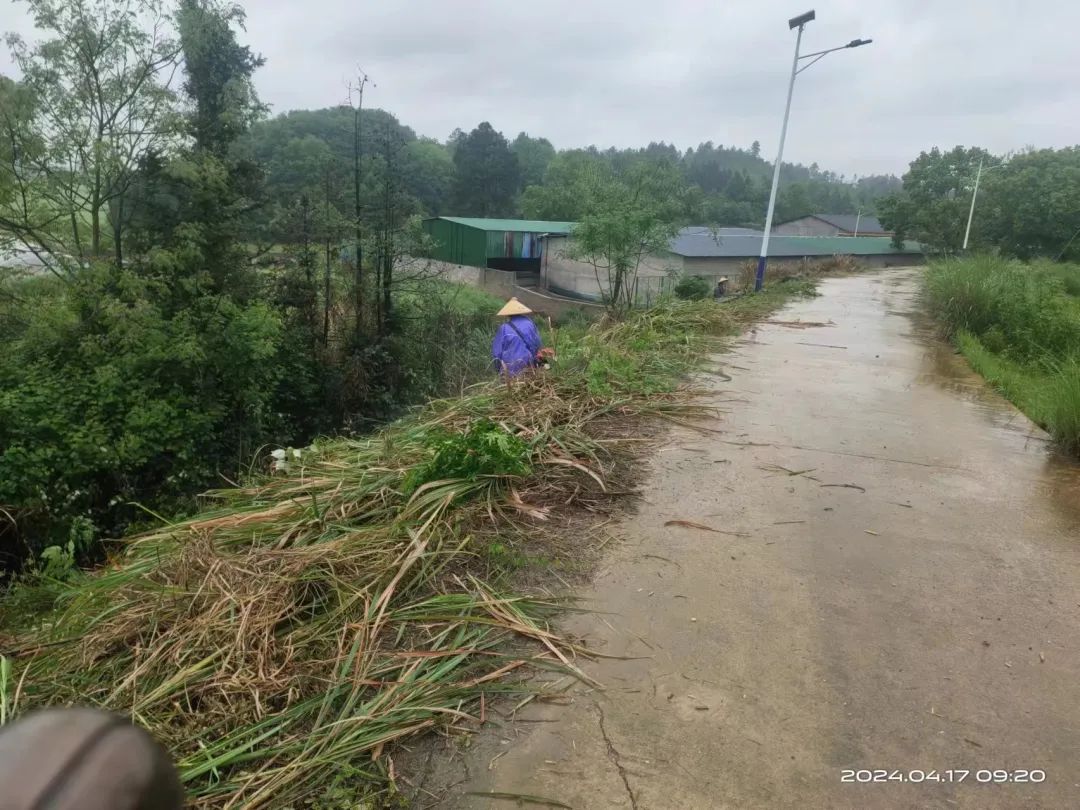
x: 500, y: 283
x: 561, y: 272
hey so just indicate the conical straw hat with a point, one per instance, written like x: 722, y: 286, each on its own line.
x: 515, y: 307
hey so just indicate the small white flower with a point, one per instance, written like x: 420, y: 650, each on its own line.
x: 278, y: 454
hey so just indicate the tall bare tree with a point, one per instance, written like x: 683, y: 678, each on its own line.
x: 100, y: 84
x: 358, y: 162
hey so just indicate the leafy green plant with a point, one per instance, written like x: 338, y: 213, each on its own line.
x: 485, y: 449
x: 58, y: 562
x: 692, y: 288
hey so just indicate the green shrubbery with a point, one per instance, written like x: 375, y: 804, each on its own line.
x: 1019, y: 326
x: 485, y: 449
x: 106, y: 400
x: 110, y: 405
x: 692, y: 288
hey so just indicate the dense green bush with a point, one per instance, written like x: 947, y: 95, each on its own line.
x: 110, y: 405
x: 122, y: 404
x: 692, y: 288
x: 443, y: 338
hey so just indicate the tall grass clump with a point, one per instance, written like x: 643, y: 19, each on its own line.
x: 1068, y: 274
x: 1061, y: 405
x: 281, y: 639
x: 1025, y: 312
x: 1019, y: 326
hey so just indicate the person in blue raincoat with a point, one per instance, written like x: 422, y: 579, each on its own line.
x: 517, y: 343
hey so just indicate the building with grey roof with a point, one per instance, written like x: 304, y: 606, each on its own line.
x: 832, y: 225
x: 713, y: 254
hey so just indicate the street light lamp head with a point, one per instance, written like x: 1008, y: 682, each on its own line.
x: 801, y: 20
x: 855, y: 43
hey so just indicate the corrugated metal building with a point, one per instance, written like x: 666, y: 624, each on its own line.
x: 501, y: 244
x: 832, y: 225
x: 701, y: 245
x: 714, y: 253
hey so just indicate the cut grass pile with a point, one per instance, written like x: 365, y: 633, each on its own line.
x: 788, y: 271
x: 1019, y: 327
x: 280, y: 640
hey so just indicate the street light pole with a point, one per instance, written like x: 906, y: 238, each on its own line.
x: 759, y: 279
x: 795, y: 22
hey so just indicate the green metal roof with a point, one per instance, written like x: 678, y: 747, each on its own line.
x: 522, y: 225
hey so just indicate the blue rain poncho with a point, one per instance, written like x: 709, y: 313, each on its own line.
x: 516, y: 344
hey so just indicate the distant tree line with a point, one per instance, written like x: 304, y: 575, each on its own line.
x: 482, y: 173
x: 1027, y: 206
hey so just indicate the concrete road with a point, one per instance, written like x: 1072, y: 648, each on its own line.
x: 896, y: 596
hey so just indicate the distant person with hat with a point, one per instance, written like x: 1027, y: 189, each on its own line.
x: 721, y: 288
x: 517, y: 344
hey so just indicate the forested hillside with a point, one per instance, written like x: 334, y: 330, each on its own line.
x: 483, y: 173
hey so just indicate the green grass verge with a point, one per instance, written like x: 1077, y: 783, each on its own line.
x: 1019, y: 327
x: 281, y: 639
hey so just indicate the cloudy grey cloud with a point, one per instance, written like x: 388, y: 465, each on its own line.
x: 997, y: 73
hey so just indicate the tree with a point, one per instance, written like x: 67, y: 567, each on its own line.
x: 1028, y: 207
x: 142, y: 381
x: 429, y: 174
x: 220, y: 187
x: 534, y: 155
x: 871, y: 188
x: 755, y: 149
x: 628, y: 215
x: 195, y: 204
x: 793, y: 201
x: 23, y: 217
x: 568, y: 183
x: 102, y: 103
x: 933, y: 204
x: 487, y: 174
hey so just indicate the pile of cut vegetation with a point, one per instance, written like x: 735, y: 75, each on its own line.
x: 280, y: 640
x: 797, y: 270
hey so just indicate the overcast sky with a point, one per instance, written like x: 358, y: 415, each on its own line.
x: 994, y: 73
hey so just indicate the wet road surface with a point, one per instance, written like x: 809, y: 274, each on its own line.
x: 899, y: 592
